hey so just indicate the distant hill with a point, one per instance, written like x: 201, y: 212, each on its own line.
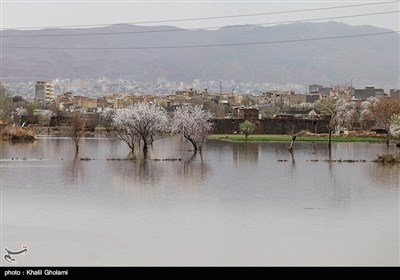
x: 365, y: 60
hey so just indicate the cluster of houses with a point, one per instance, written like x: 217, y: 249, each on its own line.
x: 68, y: 102
x: 294, y: 108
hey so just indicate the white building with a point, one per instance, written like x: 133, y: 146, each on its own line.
x: 44, y: 93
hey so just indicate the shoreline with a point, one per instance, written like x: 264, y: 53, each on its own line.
x: 288, y: 138
x: 282, y: 138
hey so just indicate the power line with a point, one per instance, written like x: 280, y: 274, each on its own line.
x: 203, y: 46
x: 180, y: 29
x: 209, y: 18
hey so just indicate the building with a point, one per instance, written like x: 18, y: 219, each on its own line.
x: 394, y: 92
x: 369, y: 91
x: 44, y: 93
x: 319, y: 89
x: 311, y: 98
x: 314, y: 88
x: 251, y: 114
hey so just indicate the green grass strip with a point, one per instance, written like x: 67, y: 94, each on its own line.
x: 287, y: 138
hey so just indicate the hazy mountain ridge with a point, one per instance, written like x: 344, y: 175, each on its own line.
x: 365, y: 60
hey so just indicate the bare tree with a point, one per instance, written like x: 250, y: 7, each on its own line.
x: 76, y: 128
x: 193, y: 122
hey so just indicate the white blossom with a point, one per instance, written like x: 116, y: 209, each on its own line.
x: 372, y: 99
x: 106, y: 118
x: 347, y: 113
x: 342, y: 112
x: 394, y: 126
x: 142, y: 123
x: 20, y: 111
x: 107, y: 114
x: 365, y: 108
x: 193, y: 122
x: 47, y: 114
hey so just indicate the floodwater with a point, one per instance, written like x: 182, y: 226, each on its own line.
x: 236, y: 204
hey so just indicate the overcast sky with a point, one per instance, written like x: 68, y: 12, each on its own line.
x: 16, y: 13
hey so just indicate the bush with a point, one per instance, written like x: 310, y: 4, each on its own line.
x: 388, y: 158
x: 18, y: 134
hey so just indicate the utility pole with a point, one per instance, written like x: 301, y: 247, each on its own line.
x: 220, y: 86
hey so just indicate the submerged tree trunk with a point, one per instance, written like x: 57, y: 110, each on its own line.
x: 292, y: 143
x: 292, y: 155
x: 330, y: 144
x: 388, y: 137
x: 145, y: 153
x: 76, y: 142
x: 193, y: 143
x: 132, y: 147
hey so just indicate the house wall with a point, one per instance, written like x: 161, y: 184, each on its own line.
x: 272, y: 126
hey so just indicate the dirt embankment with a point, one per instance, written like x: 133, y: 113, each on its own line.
x: 18, y: 134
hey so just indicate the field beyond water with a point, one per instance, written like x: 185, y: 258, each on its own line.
x: 288, y: 138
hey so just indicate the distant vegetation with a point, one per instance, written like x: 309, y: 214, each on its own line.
x: 288, y: 138
x: 18, y: 134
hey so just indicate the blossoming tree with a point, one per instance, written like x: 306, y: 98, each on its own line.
x: 143, y: 123
x: 394, y: 126
x: 193, y: 122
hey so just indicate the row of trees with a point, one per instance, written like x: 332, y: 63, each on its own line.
x: 144, y: 123
x: 379, y: 112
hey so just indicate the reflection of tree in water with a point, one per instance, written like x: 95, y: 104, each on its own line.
x: 73, y: 170
x: 341, y: 194
x: 17, y: 149
x: 245, y: 152
x: 316, y: 150
x: 138, y: 180
x: 384, y: 175
x: 147, y: 172
x: 141, y: 172
x: 339, y: 187
x: 192, y: 169
x: 151, y: 178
